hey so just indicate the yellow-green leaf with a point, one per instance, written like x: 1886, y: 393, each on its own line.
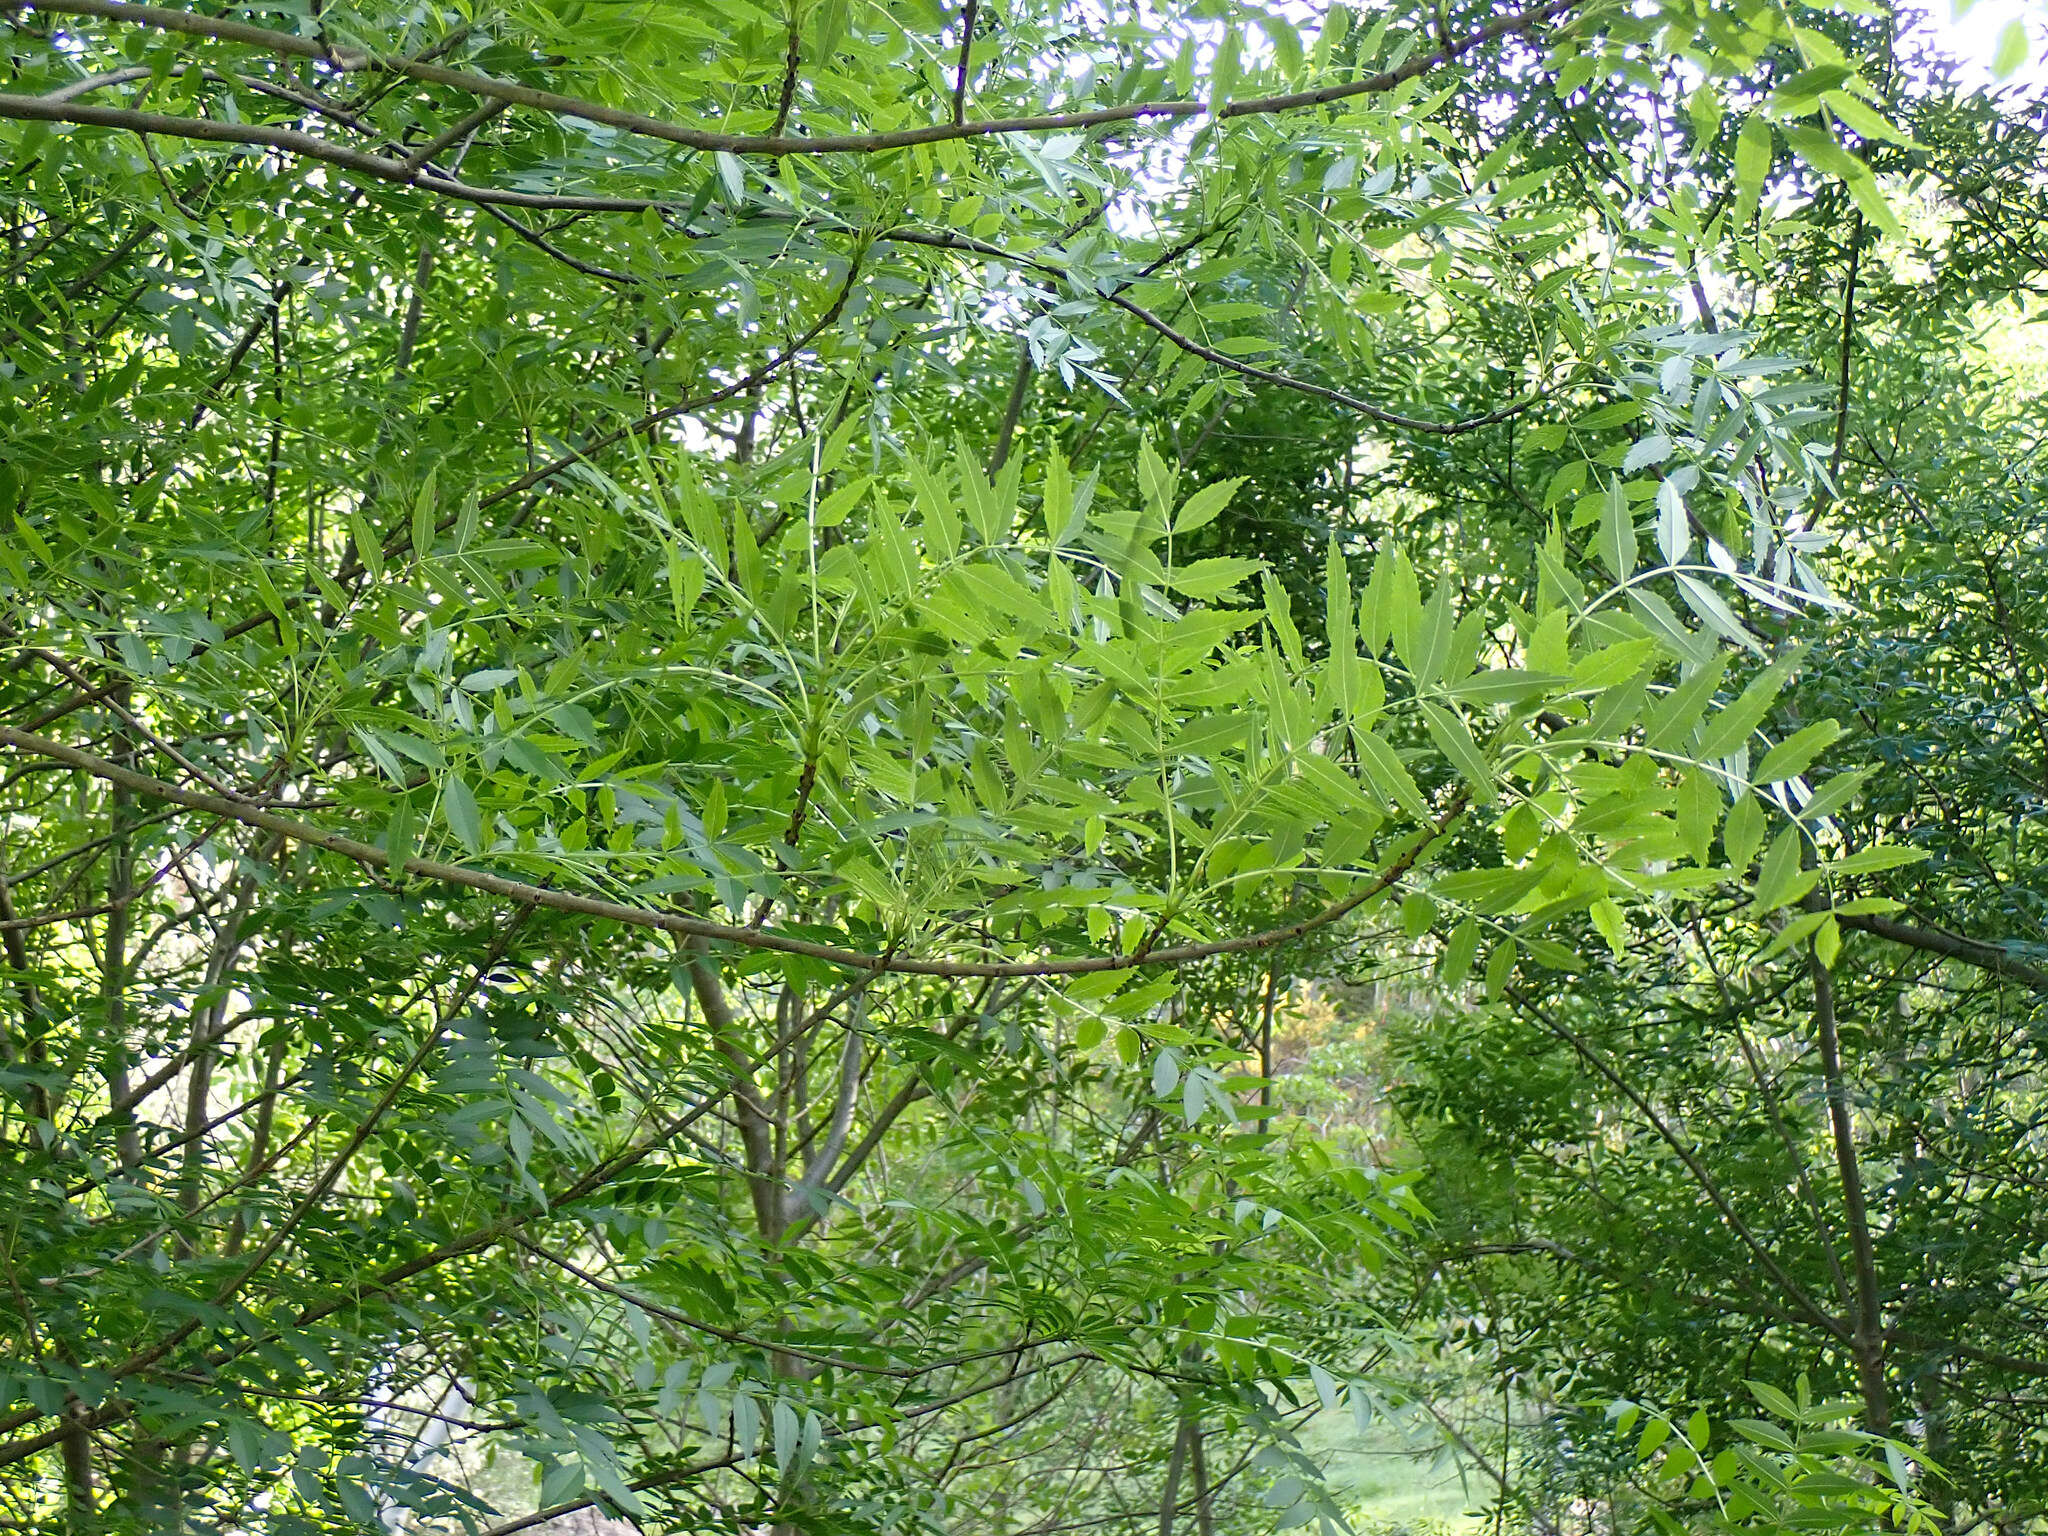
x: 1752, y: 164
x: 2012, y: 49
x: 1791, y: 756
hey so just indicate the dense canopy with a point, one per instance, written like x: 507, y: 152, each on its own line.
x: 846, y: 766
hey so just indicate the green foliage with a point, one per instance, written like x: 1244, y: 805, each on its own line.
x: 681, y: 687
x: 1796, y: 1470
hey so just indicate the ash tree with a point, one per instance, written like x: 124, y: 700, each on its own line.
x: 681, y: 689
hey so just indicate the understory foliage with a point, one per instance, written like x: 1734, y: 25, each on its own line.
x: 683, y: 691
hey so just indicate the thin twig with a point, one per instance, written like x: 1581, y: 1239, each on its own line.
x: 967, y: 15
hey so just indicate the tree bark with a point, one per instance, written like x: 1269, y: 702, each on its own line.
x: 1867, y: 1336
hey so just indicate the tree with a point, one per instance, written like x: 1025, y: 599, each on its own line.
x: 1826, y: 1119
x: 650, y: 824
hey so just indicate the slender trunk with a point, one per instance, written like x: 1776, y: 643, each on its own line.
x: 415, y: 305
x: 208, y: 1031
x: 1169, y: 1495
x: 76, y: 1448
x: 1846, y: 348
x: 114, y: 966
x: 1266, y: 1007
x: 14, y: 946
x: 259, y: 1140
x: 198, y: 1089
x: 743, y: 443
x: 761, y: 1136
x: 1013, y: 408
x: 1823, y: 1229
x: 146, y: 1457
x: 1867, y: 1338
x: 757, y: 1132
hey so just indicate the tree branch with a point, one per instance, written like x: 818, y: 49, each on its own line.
x: 193, y: 24
x: 755, y: 1124
x: 948, y: 241
x: 754, y: 380
x: 821, y: 1161
x: 1794, y: 1292
x: 477, y: 1238
x: 115, y: 1409
x: 291, y: 140
x: 1981, y: 953
x: 1013, y: 408
x: 1847, y: 343
x: 528, y: 894
x: 1350, y: 402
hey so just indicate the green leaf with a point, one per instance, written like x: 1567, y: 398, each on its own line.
x: 1744, y: 832
x: 1506, y: 686
x: 1860, y: 117
x: 1703, y: 109
x: 1708, y: 604
x: 1429, y: 641
x: 1285, y: 36
x: 1674, y: 530
x: 459, y: 807
x: 1798, y: 94
x: 1156, y: 478
x: 368, y: 548
x: 732, y: 174
x: 1204, y: 579
x: 399, y: 834
x: 1393, y: 604
x: 1339, y: 616
x: 1652, y: 448
x: 1874, y: 860
x: 1753, y: 153
x: 1617, y: 526
x: 1418, y: 913
x: 1791, y: 756
x: 1780, y: 880
x: 1566, y: 483
x: 1224, y: 74
x: 1731, y: 728
x: 1389, y: 775
x: 1819, y: 150
x: 2011, y: 52
x: 1202, y: 508
x: 1613, y: 927
x: 423, y: 752
x: 1699, y: 808
x: 1280, y: 614
x: 1672, y: 722
x: 1775, y: 1403
x: 1455, y: 741
x: 1834, y: 794
x: 1500, y: 970
x: 1459, y: 951
x: 424, y: 506
x: 788, y: 1431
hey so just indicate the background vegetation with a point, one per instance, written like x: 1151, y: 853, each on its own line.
x: 858, y: 765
